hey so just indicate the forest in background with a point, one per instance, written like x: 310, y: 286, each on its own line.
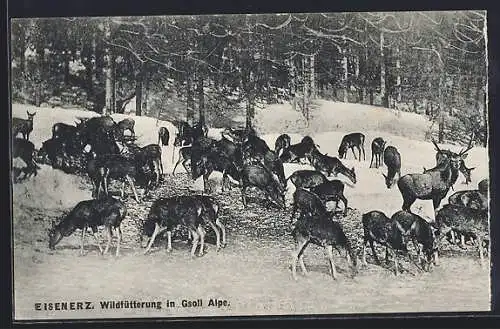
x: 432, y: 63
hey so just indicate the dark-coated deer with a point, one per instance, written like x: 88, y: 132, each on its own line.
x: 443, y: 154
x: 432, y: 185
x: 163, y: 136
x: 378, y: 146
x: 330, y: 165
x: 351, y: 141
x: 392, y: 160
x: 108, y: 212
x: 24, y: 149
x: 23, y: 126
x: 322, y: 231
x: 282, y: 142
x: 126, y: 124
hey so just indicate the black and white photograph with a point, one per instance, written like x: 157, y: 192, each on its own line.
x: 184, y: 166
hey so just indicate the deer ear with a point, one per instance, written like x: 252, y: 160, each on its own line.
x: 472, y: 168
x: 384, y: 175
x: 464, y: 156
x: 353, y: 169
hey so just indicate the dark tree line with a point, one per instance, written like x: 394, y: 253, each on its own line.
x: 425, y: 62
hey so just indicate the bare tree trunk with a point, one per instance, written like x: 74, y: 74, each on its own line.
x: 305, y: 84
x: 312, y: 77
x: 441, y: 109
x: 138, y: 92
x: 190, y: 99
x: 201, y: 99
x: 383, y: 89
x: 398, y: 77
x: 345, y: 97
x: 415, y: 108
x: 145, y: 94
x: 293, y: 83
x: 39, y: 75
x: 110, y: 106
x: 356, y: 75
x: 22, y: 57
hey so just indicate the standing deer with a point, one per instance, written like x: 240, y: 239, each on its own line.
x: 392, y: 160
x: 442, y: 154
x: 23, y: 126
x: 351, y: 141
x: 378, y: 146
x: 434, y: 184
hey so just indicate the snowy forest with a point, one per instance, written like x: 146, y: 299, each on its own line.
x: 183, y: 67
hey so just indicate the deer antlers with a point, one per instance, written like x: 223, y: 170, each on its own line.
x: 469, y: 146
x: 436, y: 146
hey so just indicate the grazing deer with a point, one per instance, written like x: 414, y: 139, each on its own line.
x: 378, y: 146
x: 351, y: 141
x: 434, y: 184
x: 23, y: 126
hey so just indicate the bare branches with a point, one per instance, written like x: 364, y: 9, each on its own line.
x: 433, y: 51
x: 278, y: 27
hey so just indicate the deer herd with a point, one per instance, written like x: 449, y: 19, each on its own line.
x: 240, y: 154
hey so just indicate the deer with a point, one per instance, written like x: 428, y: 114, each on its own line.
x: 434, y: 184
x: 351, y: 141
x: 23, y: 126
x: 442, y: 154
x: 392, y: 160
x: 378, y: 146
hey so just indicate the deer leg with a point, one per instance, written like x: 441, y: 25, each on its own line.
x: 201, y: 233
x: 294, y: 210
x: 224, y: 180
x: 195, y: 242
x: 169, y: 241
x: 119, y: 234
x: 205, y: 183
x: 344, y: 199
x: 104, y: 183
x: 243, y: 194
x: 97, y: 241
x: 108, y: 234
x: 223, y: 231
x: 479, y: 245
x: 353, y: 153
x: 83, y: 239
x: 329, y: 253
x: 371, y: 161
x: 364, y: 155
x: 122, y: 193
x: 462, y: 241
x: 373, y: 251
x: 217, y: 235
x: 153, y: 236
x: 177, y: 163
x: 131, y: 182
x: 301, y: 244
x: 363, y: 257
x: 396, y: 269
